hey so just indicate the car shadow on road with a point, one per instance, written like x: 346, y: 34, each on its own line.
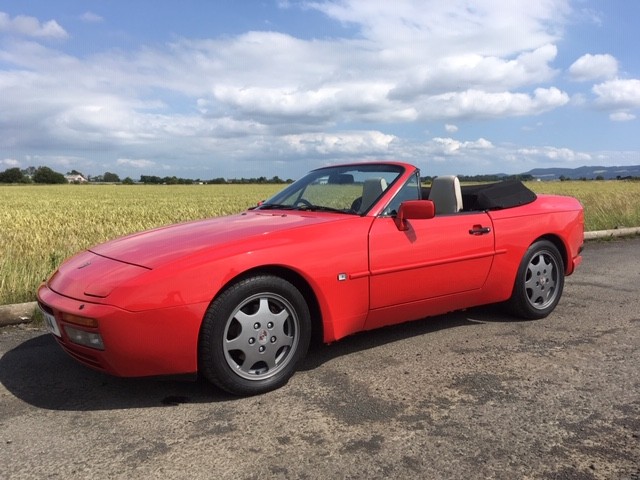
x: 39, y: 373
x: 320, y: 353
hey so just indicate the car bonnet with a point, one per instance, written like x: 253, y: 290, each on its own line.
x: 154, y: 248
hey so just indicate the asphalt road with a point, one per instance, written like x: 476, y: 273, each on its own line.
x: 467, y: 395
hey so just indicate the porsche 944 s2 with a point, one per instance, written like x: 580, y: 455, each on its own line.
x: 344, y: 249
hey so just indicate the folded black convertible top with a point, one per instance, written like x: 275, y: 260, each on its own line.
x: 496, y: 196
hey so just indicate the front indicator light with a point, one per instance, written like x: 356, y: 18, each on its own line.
x: 87, y: 339
x: 78, y: 320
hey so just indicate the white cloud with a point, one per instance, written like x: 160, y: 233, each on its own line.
x: 90, y: 17
x: 618, y: 94
x: 139, y: 163
x: 592, y: 67
x: 361, y: 143
x: 555, y: 154
x: 480, y: 104
x: 441, y: 29
x: 449, y: 128
x: 622, y: 117
x: 449, y: 146
x: 280, y: 101
x: 10, y: 163
x: 31, y: 27
x: 578, y: 100
x: 477, y: 72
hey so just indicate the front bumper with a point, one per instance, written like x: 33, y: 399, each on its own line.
x: 136, y: 344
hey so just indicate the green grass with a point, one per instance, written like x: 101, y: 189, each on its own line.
x: 42, y: 225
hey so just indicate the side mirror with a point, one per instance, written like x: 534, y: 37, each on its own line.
x: 414, y: 210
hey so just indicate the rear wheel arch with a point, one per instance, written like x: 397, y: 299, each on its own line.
x: 539, y: 280
x: 559, y: 244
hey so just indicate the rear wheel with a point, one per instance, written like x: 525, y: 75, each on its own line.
x: 539, y: 282
x: 254, y: 335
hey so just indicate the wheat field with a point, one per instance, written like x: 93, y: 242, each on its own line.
x: 607, y: 203
x: 42, y: 225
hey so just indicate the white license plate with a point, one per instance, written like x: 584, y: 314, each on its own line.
x: 51, y: 323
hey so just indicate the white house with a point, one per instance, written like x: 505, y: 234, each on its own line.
x: 75, y: 179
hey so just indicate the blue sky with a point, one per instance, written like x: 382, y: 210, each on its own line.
x: 204, y: 89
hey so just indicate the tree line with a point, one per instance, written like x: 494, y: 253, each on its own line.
x: 32, y: 175
x: 486, y: 178
x: 45, y: 175
x: 155, y: 180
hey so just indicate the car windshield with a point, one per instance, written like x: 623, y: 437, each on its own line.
x: 352, y: 189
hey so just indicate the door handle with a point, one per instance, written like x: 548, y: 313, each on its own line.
x: 479, y: 230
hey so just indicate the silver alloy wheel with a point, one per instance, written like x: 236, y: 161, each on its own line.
x: 260, y: 336
x: 541, y: 280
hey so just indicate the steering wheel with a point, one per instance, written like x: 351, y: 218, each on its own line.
x: 303, y: 201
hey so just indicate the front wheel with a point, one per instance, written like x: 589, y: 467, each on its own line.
x: 254, y: 335
x: 539, y: 282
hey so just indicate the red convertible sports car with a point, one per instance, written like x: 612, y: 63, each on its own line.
x: 344, y: 249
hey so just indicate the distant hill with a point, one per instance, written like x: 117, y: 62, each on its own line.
x: 589, y: 173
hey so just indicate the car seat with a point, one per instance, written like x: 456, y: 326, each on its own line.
x: 446, y: 194
x: 371, y: 191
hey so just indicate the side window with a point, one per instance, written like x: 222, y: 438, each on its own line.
x: 409, y: 191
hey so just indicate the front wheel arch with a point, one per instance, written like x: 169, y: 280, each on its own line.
x: 298, y: 281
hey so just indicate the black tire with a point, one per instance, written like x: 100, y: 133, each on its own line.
x: 254, y: 335
x: 539, y: 282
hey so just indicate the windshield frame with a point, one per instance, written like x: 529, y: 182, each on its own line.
x: 292, y: 197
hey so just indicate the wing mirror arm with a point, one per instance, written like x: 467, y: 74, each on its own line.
x: 413, y: 210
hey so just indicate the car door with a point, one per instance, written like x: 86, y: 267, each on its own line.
x: 444, y: 255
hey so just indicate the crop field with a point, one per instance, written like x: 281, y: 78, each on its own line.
x: 607, y: 204
x: 42, y: 225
